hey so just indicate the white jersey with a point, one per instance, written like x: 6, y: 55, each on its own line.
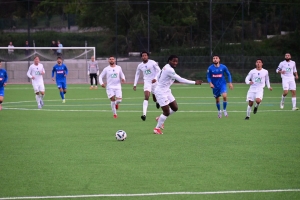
x: 36, y: 72
x: 113, y: 77
x: 150, y: 71
x: 289, y: 68
x: 259, y: 78
x: 167, y: 78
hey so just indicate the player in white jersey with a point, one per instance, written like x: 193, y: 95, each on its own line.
x: 257, y: 79
x: 163, y: 92
x: 35, y: 73
x: 114, y: 76
x: 288, y: 72
x: 150, y: 70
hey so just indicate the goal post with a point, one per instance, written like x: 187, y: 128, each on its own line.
x: 17, y: 62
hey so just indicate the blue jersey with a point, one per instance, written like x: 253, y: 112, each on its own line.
x: 3, y: 77
x: 215, y: 75
x: 61, y: 72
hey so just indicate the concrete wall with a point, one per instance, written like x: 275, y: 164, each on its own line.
x: 77, y: 70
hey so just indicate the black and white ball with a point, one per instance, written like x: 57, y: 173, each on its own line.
x: 121, y: 135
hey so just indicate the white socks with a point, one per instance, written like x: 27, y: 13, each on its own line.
x: 249, y: 108
x: 294, y: 102
x: 38, y: 99
x: 282, y: 98
x: 161, y: 120
x: 113, y: 107
x: 145, y: 106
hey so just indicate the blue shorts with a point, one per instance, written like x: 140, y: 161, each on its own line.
x: 62, y: 84
x: 2, y: 91
x: 219, y: 91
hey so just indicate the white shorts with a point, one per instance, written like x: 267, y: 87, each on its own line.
x: 38, y: 88
x: 149, y: 86
x: 164, y: 98
x: 252, y: 95
x: 288, y: 84
x: 114, y: 92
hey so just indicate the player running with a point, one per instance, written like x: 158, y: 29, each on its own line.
x: 114, y: 76
x: 35, y: 73
x: 61, y: 71
x: 288, y: 72
x: 3, y: 82
x: 257, y: 78
x: 151, y: 71
x: 216, y: 79
x: 163, y: 92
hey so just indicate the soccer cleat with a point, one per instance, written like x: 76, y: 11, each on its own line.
x: 225, y: 113
x: 64, y: 101
x: 117, y: 106
x: 96, y: 87
x: 157, y: 105
x: 115, y: 116
x: 91, y: 87
x: 255, y: 110
x: 157, y: 131
x: 143, y: 117
x: 162, y: 126
x: 42, y: 102
x: 220, y: 114
x: 247, y: 118
x: 39, y: 106
x: 281, y: 104
x: 295, y: 108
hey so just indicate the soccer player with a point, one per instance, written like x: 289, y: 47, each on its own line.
x: 216, y: 79
x: 61, y: 71
x: 114, y: 76
x: 3, y: 82
x: 93, y: 71
x: 163, y: 92
x: 35, y: 73
x: 150, y: 70
x: 288, y: 72
x: 257, y: 79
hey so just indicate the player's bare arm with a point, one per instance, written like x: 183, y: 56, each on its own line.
x: 103, y: 85
x: 134, y: 88
x: 231, y: 86
x: 211, y: 85
x: 270, y: 88
x: 154, y: 81
x: 296, y: 75
x: 123, y: 80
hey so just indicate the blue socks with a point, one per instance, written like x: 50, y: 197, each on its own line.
x: 62, y: 95
x: 218, y: 106
x: 224, y: 105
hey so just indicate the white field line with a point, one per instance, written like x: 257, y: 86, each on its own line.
x: 134, y: 111
x: 152, y: 194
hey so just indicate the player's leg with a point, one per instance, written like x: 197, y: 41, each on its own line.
x: 250, y: 99
x: 153, y: 86
x: 91, y: 80
x: 37, y: 95
x: 118, y: 97
x: 285, y: 86
x: 147, y: 89
x: 217, y: 94
x: 42, y: 94
x: 64, y: 88
x: 111, y: 95
x: 96, y: 81
x: 1, y: 96
x: 258, y: 98
x: 293, y: 91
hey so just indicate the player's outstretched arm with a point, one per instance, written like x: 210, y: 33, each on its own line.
x: 198, y: 82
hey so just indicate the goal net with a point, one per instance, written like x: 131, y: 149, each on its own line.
x: 17, y: 60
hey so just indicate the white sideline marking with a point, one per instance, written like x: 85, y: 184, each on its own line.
x: 153, y: 194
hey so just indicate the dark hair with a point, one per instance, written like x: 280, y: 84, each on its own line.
x: 216, y: 56
x: 35, y: 57
x: 59, y: 58
x: 171, y: 57
x: 260, y: 60
x: 141, y: 54
x: 111, y: 56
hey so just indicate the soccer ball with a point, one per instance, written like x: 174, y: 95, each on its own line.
x: 121, y: 135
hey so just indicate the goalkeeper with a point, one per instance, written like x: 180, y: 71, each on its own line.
x: 93, y: 71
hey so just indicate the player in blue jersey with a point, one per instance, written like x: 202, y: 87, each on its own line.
x: 3, y: 81
x: 216, y: 79
x: 61, y: 71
